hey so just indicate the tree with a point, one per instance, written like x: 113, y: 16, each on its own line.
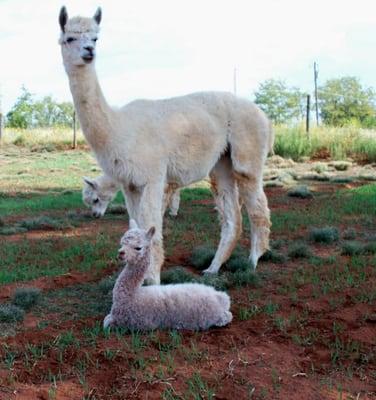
x: 344, y: 100
x: 30, y: 113
x: 20, y: 116
x: 280, y: 102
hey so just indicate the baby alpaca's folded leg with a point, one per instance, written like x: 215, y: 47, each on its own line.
x: 225, y: 319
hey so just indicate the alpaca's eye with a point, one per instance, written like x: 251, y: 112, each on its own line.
x: 138, y: 248
x: 95, y: 201
x: 95, y: 39
x: 71, y: 39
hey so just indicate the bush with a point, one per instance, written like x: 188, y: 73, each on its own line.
x: 352, y: 248
x: 26, y: 297
x: 11, y: 313
x: 219, y: 282
x: 202, y: 256
x: 299, y: 250
x: 324, y: 235
x: 300, y: 191
x: 349, y: 234
x: 177, y: 275
x: 43, y: 222
x: 238, y: 263
x: 274, y: 257
x: 243, y: 278
x: 370, y: 248
x: 12, y: 230
x: 107, y: 284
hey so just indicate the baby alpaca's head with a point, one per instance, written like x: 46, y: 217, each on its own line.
x: 98, y: 193
x: 135, y: 242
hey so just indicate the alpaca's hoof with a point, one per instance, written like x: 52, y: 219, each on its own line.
x: 209, y: 271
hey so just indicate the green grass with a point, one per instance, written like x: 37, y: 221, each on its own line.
x: 326, y: 235
x: 11, y: 313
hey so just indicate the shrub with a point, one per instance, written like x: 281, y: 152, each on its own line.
x: 370, y: 248
x: 349, y: 234
x: 243, y: 278
x: 342, y: 179
x: 219, y: 282
x: 2, y: 223
x: 42, y: 222
x: 202, y: 257
x: 301, y: 191
x: 177, y: 275
x: 327, y: 235
x: 274, y: 257
x: 352, y: 248
x: 299, y: 250
x: 26, y: 297
x: 238, y: 263
x: 12, y: 230
x: 107, y: 284
x: 11, y: 313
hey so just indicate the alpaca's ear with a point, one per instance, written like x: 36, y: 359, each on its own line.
x: 90, y: 182
x: 133, y: 224
x: 150, y: 233
x: 98, y: 16
x: 63, y: 18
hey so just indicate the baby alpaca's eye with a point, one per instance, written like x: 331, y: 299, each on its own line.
x: 138, y: 248
x: 95, y: 201
x: 71, y: 39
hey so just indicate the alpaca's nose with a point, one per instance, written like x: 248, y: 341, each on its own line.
x: 90, y: 49
x: 121, y: 254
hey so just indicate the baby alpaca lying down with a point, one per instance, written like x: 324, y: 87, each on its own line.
x: 181, y: 306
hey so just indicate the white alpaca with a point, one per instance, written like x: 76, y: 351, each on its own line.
x: 147, y: 145
x: 98, y: 193
x: 181, y: 306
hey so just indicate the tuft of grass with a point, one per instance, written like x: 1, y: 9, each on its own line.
x: 12, y: 230
x: 301, y: 192
x: 2, y: 223
x: 349, y: 234
x: 342, y: 179
x: 370, y: 248
x: 177, y: 275
x: 274, y: 257
x: 244, y: 278
x: 326, y: 234
x: 238, y: 263
x: 352, y: 248
x: 219, y: 282
x: 299, y: 250
x: 26, y: 297
x: 107, y: 284
x: 11, y: 313
x: 43, y: 222
x: 202, y: 257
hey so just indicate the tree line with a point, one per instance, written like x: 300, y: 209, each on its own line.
x: 341, y: 102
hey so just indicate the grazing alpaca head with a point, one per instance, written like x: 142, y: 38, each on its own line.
x: 78, y: 38
x: 135, y: 243
x: 97, y: 194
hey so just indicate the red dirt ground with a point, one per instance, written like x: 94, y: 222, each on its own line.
x: 250, y: 359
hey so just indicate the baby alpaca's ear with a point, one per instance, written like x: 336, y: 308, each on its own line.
x: 133, y: 224
x: 150, y: 233
x: 90, y: 182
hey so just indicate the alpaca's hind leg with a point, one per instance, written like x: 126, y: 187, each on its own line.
x: 255, y: 201
x: 226, y: 197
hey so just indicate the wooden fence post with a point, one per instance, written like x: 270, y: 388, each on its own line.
x: 74, y: 144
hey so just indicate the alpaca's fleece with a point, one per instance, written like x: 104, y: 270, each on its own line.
x: 182, y: 306
x: 97, y: 194
x: 149, y: 145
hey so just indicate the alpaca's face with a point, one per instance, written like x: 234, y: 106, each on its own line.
x: 78, y: 39
x: 133, y: 244
x: 95, y: 197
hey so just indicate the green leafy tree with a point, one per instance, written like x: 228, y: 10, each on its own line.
x: 20, y: 116
x: 30, y: 113
x: 344, y: 100
x: 280, y: 102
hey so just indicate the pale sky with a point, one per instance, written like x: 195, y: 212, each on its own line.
x: 164, y: 48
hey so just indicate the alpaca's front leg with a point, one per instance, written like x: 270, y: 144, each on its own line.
x: 150, y: 213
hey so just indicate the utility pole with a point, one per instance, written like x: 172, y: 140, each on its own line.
x: 235, y: 82
x: 316, y: 74
x: 308, y: 112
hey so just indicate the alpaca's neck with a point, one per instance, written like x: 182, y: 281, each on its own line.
x: 95, y: 115
x: 132, y: 277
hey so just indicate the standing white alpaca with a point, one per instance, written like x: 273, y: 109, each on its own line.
x: 180, y: 306
x: 98, y: 193
x: 147, y: 145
